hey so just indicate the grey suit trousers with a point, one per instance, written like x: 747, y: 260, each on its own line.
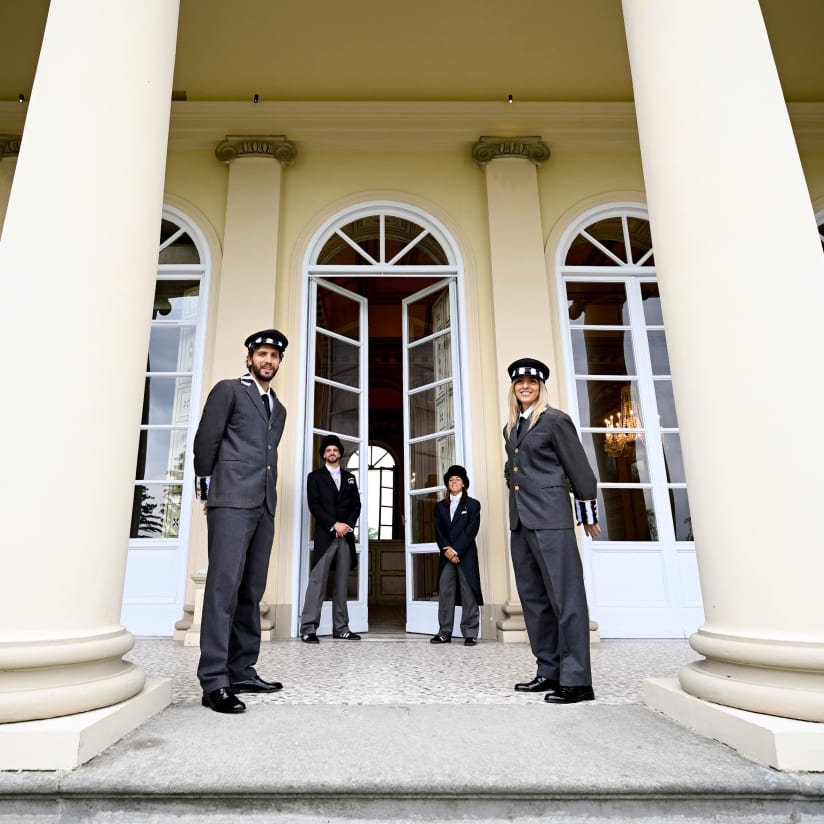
x: 550, y: 582
x: 451, y: 578
x: 240, y: 543
x: 316, y: 589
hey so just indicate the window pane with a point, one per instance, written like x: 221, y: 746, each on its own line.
x: 176, y: 300
x: 423, y: 516
x: 161, y: 454
x: 652, y: 304
x: 181, y: 250
x: 171, y: 349
x: 627, y: 515
x: 602, y: 352
x: 630, y: 466
x: 673, y: 458
x: 426, y: 252
x: 336, y: 410
x: 425, y: 576
x: 429, y: 314
x: 431, y: 410
x: 681, y: 518
x: 640, y: 238
x: 601, y: 304
x: 658, y: 353
x: 156, y: 511
x: 166, y: 400
x: 430, y: 361
x: 338, y: 313
x: 337, y: 360
x: 666, y: 404
x: 429, y: 460
x: 609, y: 403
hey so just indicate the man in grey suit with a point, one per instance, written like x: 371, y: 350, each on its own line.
x: 236, y: 461
x: 544, y: 452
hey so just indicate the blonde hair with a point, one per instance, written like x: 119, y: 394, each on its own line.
x: 515, y: 407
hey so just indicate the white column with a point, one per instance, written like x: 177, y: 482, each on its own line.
x: 742, y: 285
x: 9, y: 149
x: 519, y: 283
x: 77, y: 265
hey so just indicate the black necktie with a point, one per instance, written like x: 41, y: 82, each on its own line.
x: 518, y: 427
x: 266, y: 404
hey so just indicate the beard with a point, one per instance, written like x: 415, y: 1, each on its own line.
x: 261, y: 375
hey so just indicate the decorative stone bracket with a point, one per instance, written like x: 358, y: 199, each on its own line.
x: 9, y: 145
x: 529, y: 148
x: 274, y: 146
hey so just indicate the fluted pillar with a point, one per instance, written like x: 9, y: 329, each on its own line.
x: 519, y: 284
x: 77, y: 266
x: 9, y: 149
x: 742, y: 284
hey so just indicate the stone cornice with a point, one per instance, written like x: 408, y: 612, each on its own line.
x: 417, y: 125
x: 528, y: 148
x: 275, y: 146
x: 9, y: 145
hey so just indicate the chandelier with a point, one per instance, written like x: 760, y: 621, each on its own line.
x: 616, y: 443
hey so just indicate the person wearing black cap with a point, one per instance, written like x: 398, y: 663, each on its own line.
x: 333, y: 498
x: 457, y: 520
x: 545, y: 457
x: 236, y: 461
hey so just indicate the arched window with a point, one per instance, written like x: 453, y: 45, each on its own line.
x: 161, y: 510
x: 621, y: 394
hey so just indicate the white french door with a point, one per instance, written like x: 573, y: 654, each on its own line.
x: 431, y: 420
x: 337, y: 404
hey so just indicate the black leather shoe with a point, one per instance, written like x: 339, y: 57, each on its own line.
x: 440, y: 639
x: 346, y: 635
x: 537, y: 684
x: 256, y: 684
x: 310, y: 638
x: 223, y: 700
x: 570, y: 695
x: 470, y: 642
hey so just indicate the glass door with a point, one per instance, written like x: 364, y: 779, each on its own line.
x: 338, y: 405
x: 431, y: 410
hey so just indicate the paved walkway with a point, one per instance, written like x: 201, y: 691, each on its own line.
x: 407, y: 669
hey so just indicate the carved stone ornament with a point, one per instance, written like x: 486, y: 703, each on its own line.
x: 274, y: 146
x: 530, y: 148
x: 9, y: 145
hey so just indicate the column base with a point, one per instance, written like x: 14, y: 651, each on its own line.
x: 69, y: 741
x: 781, y: 743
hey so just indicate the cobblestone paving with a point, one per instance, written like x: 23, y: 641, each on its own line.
x: 407, y: 669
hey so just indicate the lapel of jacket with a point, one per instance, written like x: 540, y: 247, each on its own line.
x: 249, y: 385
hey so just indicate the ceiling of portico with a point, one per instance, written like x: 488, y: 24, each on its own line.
x: 430, y: 50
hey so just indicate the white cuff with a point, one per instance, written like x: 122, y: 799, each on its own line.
x: 202, y: 486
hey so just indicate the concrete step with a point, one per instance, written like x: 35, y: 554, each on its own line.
x: 347, y: 764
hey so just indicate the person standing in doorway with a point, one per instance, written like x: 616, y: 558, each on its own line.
x: 236, y: 461
x: 457, y: 520
x: 333, y: 498
x: 544, y: 455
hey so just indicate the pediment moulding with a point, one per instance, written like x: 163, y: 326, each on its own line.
x: 275, y: 146
x: 532, y: 149
x: 9, y: 145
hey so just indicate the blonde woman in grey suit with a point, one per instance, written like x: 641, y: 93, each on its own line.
x: 544, y: 451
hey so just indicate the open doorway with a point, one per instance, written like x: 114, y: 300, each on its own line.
x: 384, y: 375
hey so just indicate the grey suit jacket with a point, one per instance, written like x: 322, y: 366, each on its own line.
x: 540, y: 461
x: 237, y: 445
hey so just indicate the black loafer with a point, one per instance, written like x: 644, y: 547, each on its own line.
x: 346, y: 635
x: 537, y: 684
x: 310, y: 638
x: 570, y: 695
x: 256, y: 684
x: 223, y: 700
x: 470, y: 642
x: 440, y: 639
